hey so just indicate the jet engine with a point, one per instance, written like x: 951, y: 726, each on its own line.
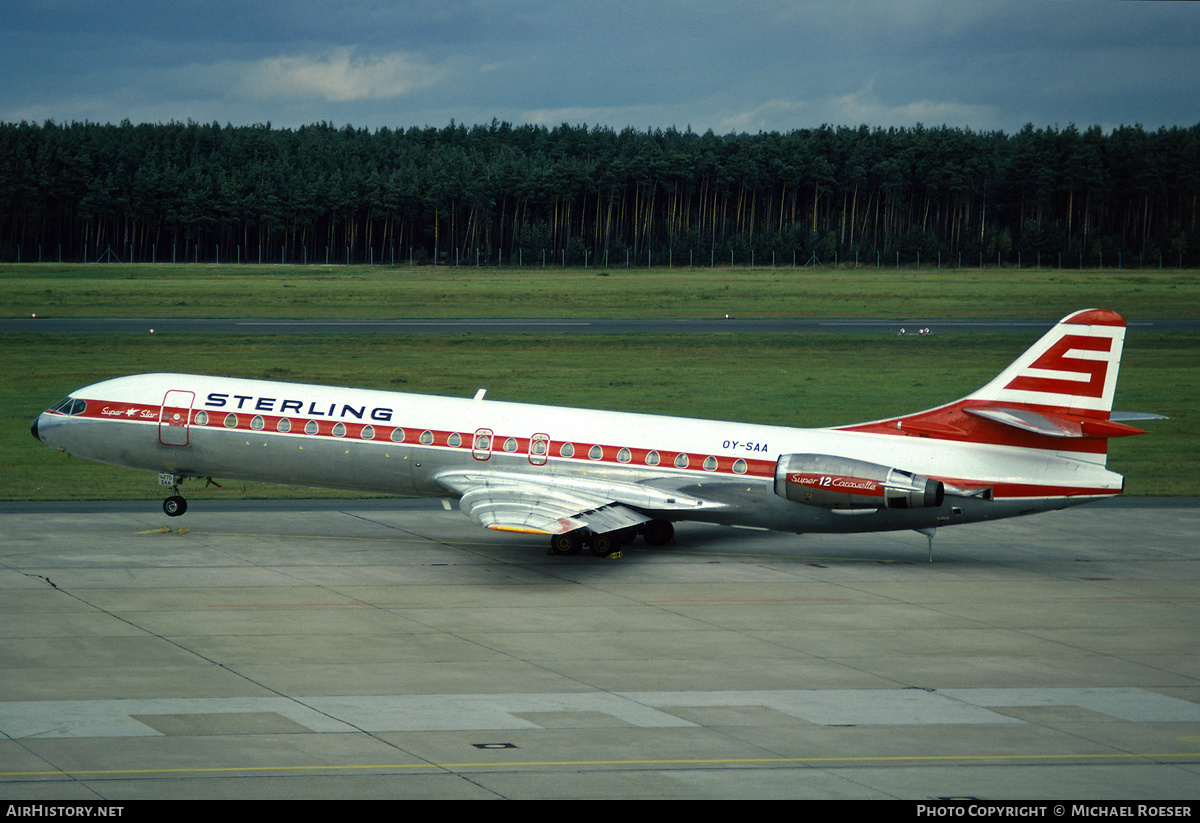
x: 842, y: 483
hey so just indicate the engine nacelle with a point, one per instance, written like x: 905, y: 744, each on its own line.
x: 842, y: 483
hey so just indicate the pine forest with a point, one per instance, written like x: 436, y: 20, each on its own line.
x: 527, y: 195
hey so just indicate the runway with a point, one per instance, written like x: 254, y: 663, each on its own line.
x: 363, y: 649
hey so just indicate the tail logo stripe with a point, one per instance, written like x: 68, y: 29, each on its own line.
x: 1055, y: 359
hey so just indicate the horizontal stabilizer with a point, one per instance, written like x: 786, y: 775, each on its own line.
x: 1053, y: 423
x: 1122, y: 416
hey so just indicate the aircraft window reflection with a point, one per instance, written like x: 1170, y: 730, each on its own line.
x: 310, y: 427
x: 567, y: 450
x: 231, y: 421
x: 368, y: 433
x: 201, y: 418
x: 257, y: 423
x: 284, y: 425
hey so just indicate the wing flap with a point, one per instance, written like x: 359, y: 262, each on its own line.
x: 555, y: 504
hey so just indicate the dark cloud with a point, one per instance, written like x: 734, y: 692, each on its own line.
x: 747, y: 66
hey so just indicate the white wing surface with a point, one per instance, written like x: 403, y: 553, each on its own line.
x: 556, y: 504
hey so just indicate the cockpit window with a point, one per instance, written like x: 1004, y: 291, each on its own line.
x: 70, y: 406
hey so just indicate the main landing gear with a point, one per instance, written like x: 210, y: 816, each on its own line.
x: 655, y: 533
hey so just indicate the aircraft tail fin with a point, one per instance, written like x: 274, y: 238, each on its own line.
x: 1058, y: 395
x: 1073, y: 368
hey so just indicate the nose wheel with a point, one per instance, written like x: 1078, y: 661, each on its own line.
x: 174, y: 506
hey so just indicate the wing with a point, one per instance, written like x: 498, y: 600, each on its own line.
x: 556, y: 504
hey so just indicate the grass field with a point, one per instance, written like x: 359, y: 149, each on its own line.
x: 799, y: 380
x: 116, y: 290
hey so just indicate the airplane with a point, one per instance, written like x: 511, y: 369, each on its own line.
x: 1033, y: 439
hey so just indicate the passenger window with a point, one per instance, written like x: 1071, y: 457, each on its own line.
x: 596, y: 453
x: 623, y: 456
x: 231, y: 421
x: 257, y: 423
x: 397, y: 435
x: 681, y: 461
x: 739, y: 466
x: 201, y: 418
x: 368, y: 433
x: 426, y: 437
x: 455, y: 440
x: 567, y: 450
x: 284, y: 425
x: 652, y: 458
x: 339, y: 430
x: 311, y: 427
x: 710, y: 464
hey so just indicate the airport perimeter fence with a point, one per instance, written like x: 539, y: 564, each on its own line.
x: 196, y: 253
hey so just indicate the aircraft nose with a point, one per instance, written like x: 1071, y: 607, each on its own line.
x: 33, y: 428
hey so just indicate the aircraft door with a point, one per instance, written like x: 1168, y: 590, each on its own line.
x: 175, y: 417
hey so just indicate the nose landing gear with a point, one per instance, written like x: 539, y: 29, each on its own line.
x: 174, y: 506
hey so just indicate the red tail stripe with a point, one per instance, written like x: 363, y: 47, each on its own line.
x: 1055, y: 359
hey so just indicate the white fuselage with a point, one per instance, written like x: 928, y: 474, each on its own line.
x: 397, y: 443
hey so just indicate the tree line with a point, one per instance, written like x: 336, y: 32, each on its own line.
x: 504, y: 194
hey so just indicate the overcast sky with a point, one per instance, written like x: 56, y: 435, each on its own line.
x: 725, y: 65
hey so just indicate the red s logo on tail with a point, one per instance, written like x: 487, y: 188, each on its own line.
x: 1055, y: 359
